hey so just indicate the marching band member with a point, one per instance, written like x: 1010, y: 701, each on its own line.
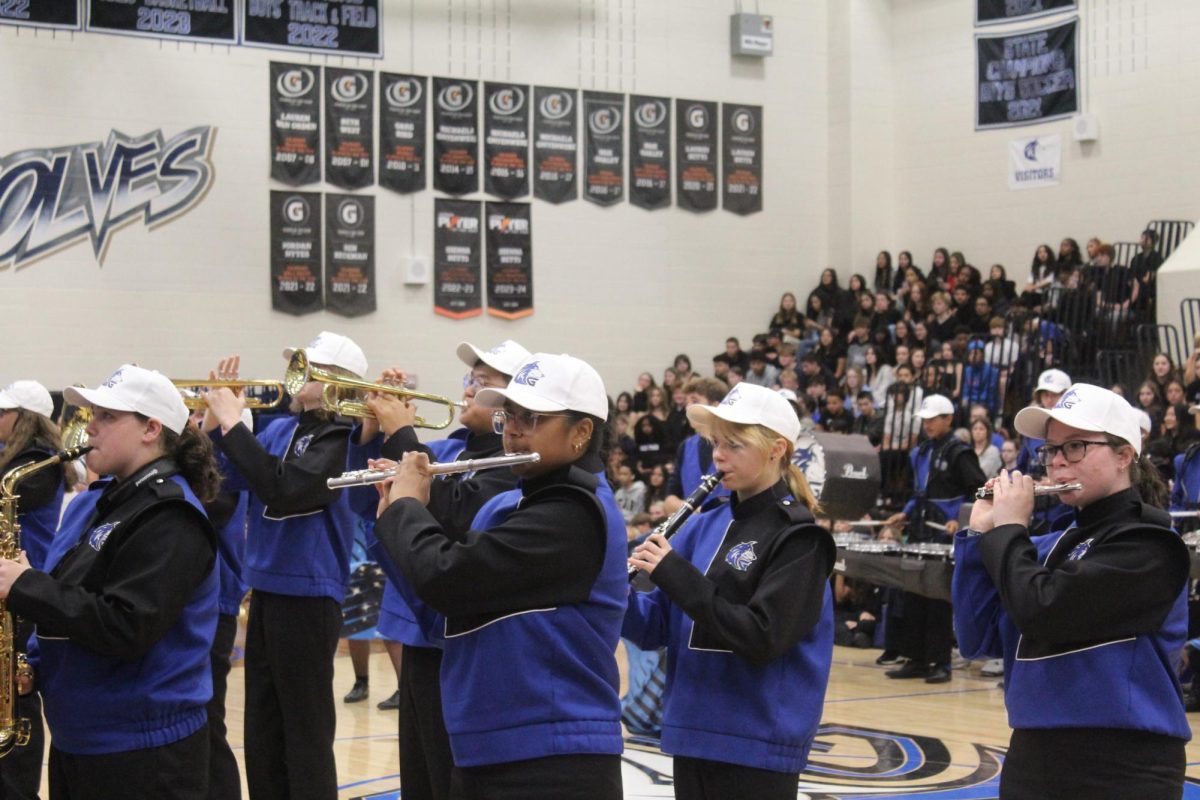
x: 297, y: 564
x: 1088, y: 620
x: 532, y: 597
x: 743, y: 605
x: 126, y: 603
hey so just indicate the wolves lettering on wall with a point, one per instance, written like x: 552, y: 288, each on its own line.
x: 402, y: 132
x: 349, y: 127
x: 741, y: 134
x: 51, y: 198
x: 555, y: 144
x: 350, y: 254
x: 650, y: 151
x: 506, y: 140
x: 296, y: 276
x: 455, y: 136
x: 295, y: 123
x: 696, y: 155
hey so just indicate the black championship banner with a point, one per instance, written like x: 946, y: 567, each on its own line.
x: 994, y: 12
x: 295, y: 123
x: 505, y: 140
x: 650, y: 151
x: 349, y: 127
x: 1027, y: 77
x: 741, y: 172
x: 555, y: 144
x: 189, y: 20
x: 696, y: 155
x: 296, y: 252
x: 401, y: 132
x: 340, y: 26
x: 455, y: 136
x: 603, y: 147
x: 350, y: 254
x: 41, y: 13
x: 456, y: 258
x: 509, y: 260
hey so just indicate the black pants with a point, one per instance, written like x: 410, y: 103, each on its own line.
x: 701, y: 779
x: 426, y: 763
x: 927, y: 630
x: 224, y: 782
x: 1091, y: 763
x: 290, y: 715
x: 579, y: 777
x: 177, y: 771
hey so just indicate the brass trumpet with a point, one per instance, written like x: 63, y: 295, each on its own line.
x: 195, y: 386
x: 344, y: 396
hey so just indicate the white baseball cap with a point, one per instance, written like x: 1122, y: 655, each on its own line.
x: 1145, y: 424
x: 1053, y: 380
x: 1194, y: 409
x: 1088, y: 408
x: 935, y: 405
x: 548, y: 382
x: 505, y: 357
x: 787, y: 394
x: 335, y: 350
x: 748, y: 404
x: 137, y: 389
x: 30, y: 395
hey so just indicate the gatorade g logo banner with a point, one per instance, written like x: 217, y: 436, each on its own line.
x: 506, y: 140
x: 350, y: 254
x: 295, y: 123
x: 402, y: 114
x: 456, y: 261
x: 696, y: 155
x: 455, y: 136
x: 741, y: 175
x: 555, y: 144
x: 650, y: 151
x: 296, y: 252
x: 509, y: 260
x: 604, y: 146
x: 349, y: 126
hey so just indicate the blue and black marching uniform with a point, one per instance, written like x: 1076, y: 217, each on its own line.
x: 1185, y: 491
x: 743, y: 606
x: 530, y: 603
x: 125, y: 613
x: 693, y: 460
x: 1089, y: 622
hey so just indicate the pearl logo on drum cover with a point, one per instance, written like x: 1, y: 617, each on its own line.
x: 51, y: 198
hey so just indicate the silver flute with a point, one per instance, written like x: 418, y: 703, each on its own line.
x: 366, y: 477
x: 986, y: 492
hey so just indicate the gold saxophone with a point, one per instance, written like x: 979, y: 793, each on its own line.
x: 13, y: 731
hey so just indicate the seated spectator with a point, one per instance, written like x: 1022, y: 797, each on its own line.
x: 1008, y: 455
x: 788, y: 315
x: 656, y: 491
x: 1002, y: 350
x: 683, y: 369
x: 720, y: 367
x: 625, y: 443
x: 736, y: 375
x: 630, y: 493
x: 735, y: 355
x: 809, y: 368
x: 1162, y: 371
x: 651, y: 438
x: 852, y: 382
x: 868, y: 422
x: 645, y: 383
x: 983, y: 315
x: 904, y: 398
x: 877, y: 376
x: 985, y: 450
x: 836, y: 418
x: 830, y: 353
x: 858, y: 340
x: 943, y: 320
x: 761, y: 373
x: 1005, y: 289
x: 982, y: 383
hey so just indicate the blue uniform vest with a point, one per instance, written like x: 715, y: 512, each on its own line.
x: 921, y: 459
x: 231, y: 552
x: 38, y: 527
x: 691, y: 471
x: 1185, y: 493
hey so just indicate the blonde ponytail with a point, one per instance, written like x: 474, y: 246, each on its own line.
x: 799, y: 485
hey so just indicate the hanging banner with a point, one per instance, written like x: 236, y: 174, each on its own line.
x: 191, y: 21
x: 509, y: 260
x: 604, y: 147
x: 555, y: 144
x: 350, y: 254
x: 455, y: 136
x: 456, y: 259
x: 1034, y: 162
x: 401, y: 132
x: 62, y: 14
x: 506, y: 140
x: 696, y: 155
x: 650, y: 151
x: 1027, y: 77
x: 994, y: 12
x: 295, y: 123
x: 351, y: 27
x: 741, y: 172
x: 349, y: 127
x: 296, y: 252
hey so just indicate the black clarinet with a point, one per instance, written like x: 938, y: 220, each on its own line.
x: 674, y: 522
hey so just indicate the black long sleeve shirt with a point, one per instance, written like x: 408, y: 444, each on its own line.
x: 40, y: 488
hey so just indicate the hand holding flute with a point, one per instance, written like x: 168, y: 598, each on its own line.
x: 1010, y: 502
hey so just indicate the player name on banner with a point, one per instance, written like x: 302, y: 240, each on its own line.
x: 741, y: 173
x: 455, y: 136
x: 456, y: 258
x: 1034, y: 162
x: 349, y: 127
x: 295, y: 123
x: 296, y: 252
x: 1026, y: 77
x: 555, y: 144
x: 604, y: 147
x: 351, y: 27
x: 350, y: 254
x: 506, y: 140
x: 401, y: 132
x: 509, y: 260
x: 650, y: 151
x: 41, y: 13
x: 696, y: 155
x: 994, y: 12
x: 192, y: 21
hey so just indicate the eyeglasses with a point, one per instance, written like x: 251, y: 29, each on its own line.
x: 479, y: 382
x: 1073, y: 451
x: 519, y: 420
